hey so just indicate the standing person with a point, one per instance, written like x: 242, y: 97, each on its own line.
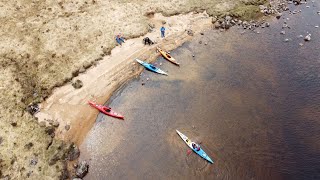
x: 162, y: 30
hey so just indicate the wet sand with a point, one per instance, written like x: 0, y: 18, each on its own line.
x: 251, y: 99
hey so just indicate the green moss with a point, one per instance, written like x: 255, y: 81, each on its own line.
x: 246, y: 12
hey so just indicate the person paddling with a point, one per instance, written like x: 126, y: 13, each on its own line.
x: 196, y: 146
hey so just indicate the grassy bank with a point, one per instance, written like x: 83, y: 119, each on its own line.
x: 46, y: 43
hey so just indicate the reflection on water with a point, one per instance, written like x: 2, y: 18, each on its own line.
x: 252, y: 100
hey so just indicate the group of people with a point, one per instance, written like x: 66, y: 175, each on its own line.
x: 146, y: 40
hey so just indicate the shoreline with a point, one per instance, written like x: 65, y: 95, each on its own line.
x: 68, y: 106
x: 52, y: 49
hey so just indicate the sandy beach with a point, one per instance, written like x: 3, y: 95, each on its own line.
x: 69, y: 106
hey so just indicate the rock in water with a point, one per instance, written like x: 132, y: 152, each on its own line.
x: 82, y: 169
x: 308, y: 37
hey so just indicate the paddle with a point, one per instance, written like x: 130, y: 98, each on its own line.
x: 189, y: 152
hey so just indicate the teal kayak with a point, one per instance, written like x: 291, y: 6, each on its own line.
x: 151, y: 67
x: 195, y: 147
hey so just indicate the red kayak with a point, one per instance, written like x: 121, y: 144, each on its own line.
x: 106, y: 110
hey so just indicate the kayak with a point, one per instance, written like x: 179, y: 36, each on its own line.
x: 106, y: 110
x: 167, y: 56
x: 151, y: 67
x: 200, y: 152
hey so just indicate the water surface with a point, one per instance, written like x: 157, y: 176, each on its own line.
x: 251, y: 99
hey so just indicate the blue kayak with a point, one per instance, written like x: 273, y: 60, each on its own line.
x: 151, y: 67
x: 197, y: 149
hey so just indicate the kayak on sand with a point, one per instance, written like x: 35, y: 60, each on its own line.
x: 151, y: 67
x: 106, y: 110
x: 196, y: 148
x: 167, y: 56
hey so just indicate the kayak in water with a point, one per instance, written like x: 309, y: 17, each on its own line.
x: 195, y: 147
x: 151, y: 67
x: 106, y: 110
x: 167, y: 56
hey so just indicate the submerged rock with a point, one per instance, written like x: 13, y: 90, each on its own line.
x: 308, y: 37
x: 82, y: 169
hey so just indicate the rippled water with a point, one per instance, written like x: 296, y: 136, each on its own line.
x: 251, y: 99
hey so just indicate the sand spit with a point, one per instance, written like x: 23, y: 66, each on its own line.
x: 45, y: 44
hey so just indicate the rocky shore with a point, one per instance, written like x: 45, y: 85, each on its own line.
x: 44, y: 61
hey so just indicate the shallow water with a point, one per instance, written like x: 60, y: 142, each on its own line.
x: 252, y: 100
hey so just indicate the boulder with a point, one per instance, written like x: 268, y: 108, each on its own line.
x: 82, y: 169
x: 73, y: 152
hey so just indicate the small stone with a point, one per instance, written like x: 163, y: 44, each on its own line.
x: 28, y: 146
x: 205, y: 43
x: 307, y: 6
x: 14, y: 124
x: 202, y: 33
x: 67, y: 127
x: 33, y: 162
x: 56, y: 124
x: 300, y: 36
x: 308, y: 37
x: 286, y: 40
x: 283, y: 32
x: 42, y: 124
x: 82, y: 69
x: 143, y: 84
x: 300, y: 44
x: 193, y: 55
x: 278, y: 15
x: 82, y: 169
x: 316, y: 26
x: 50, y: 130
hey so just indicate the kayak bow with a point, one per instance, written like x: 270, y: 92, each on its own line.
x: 200, y: 152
